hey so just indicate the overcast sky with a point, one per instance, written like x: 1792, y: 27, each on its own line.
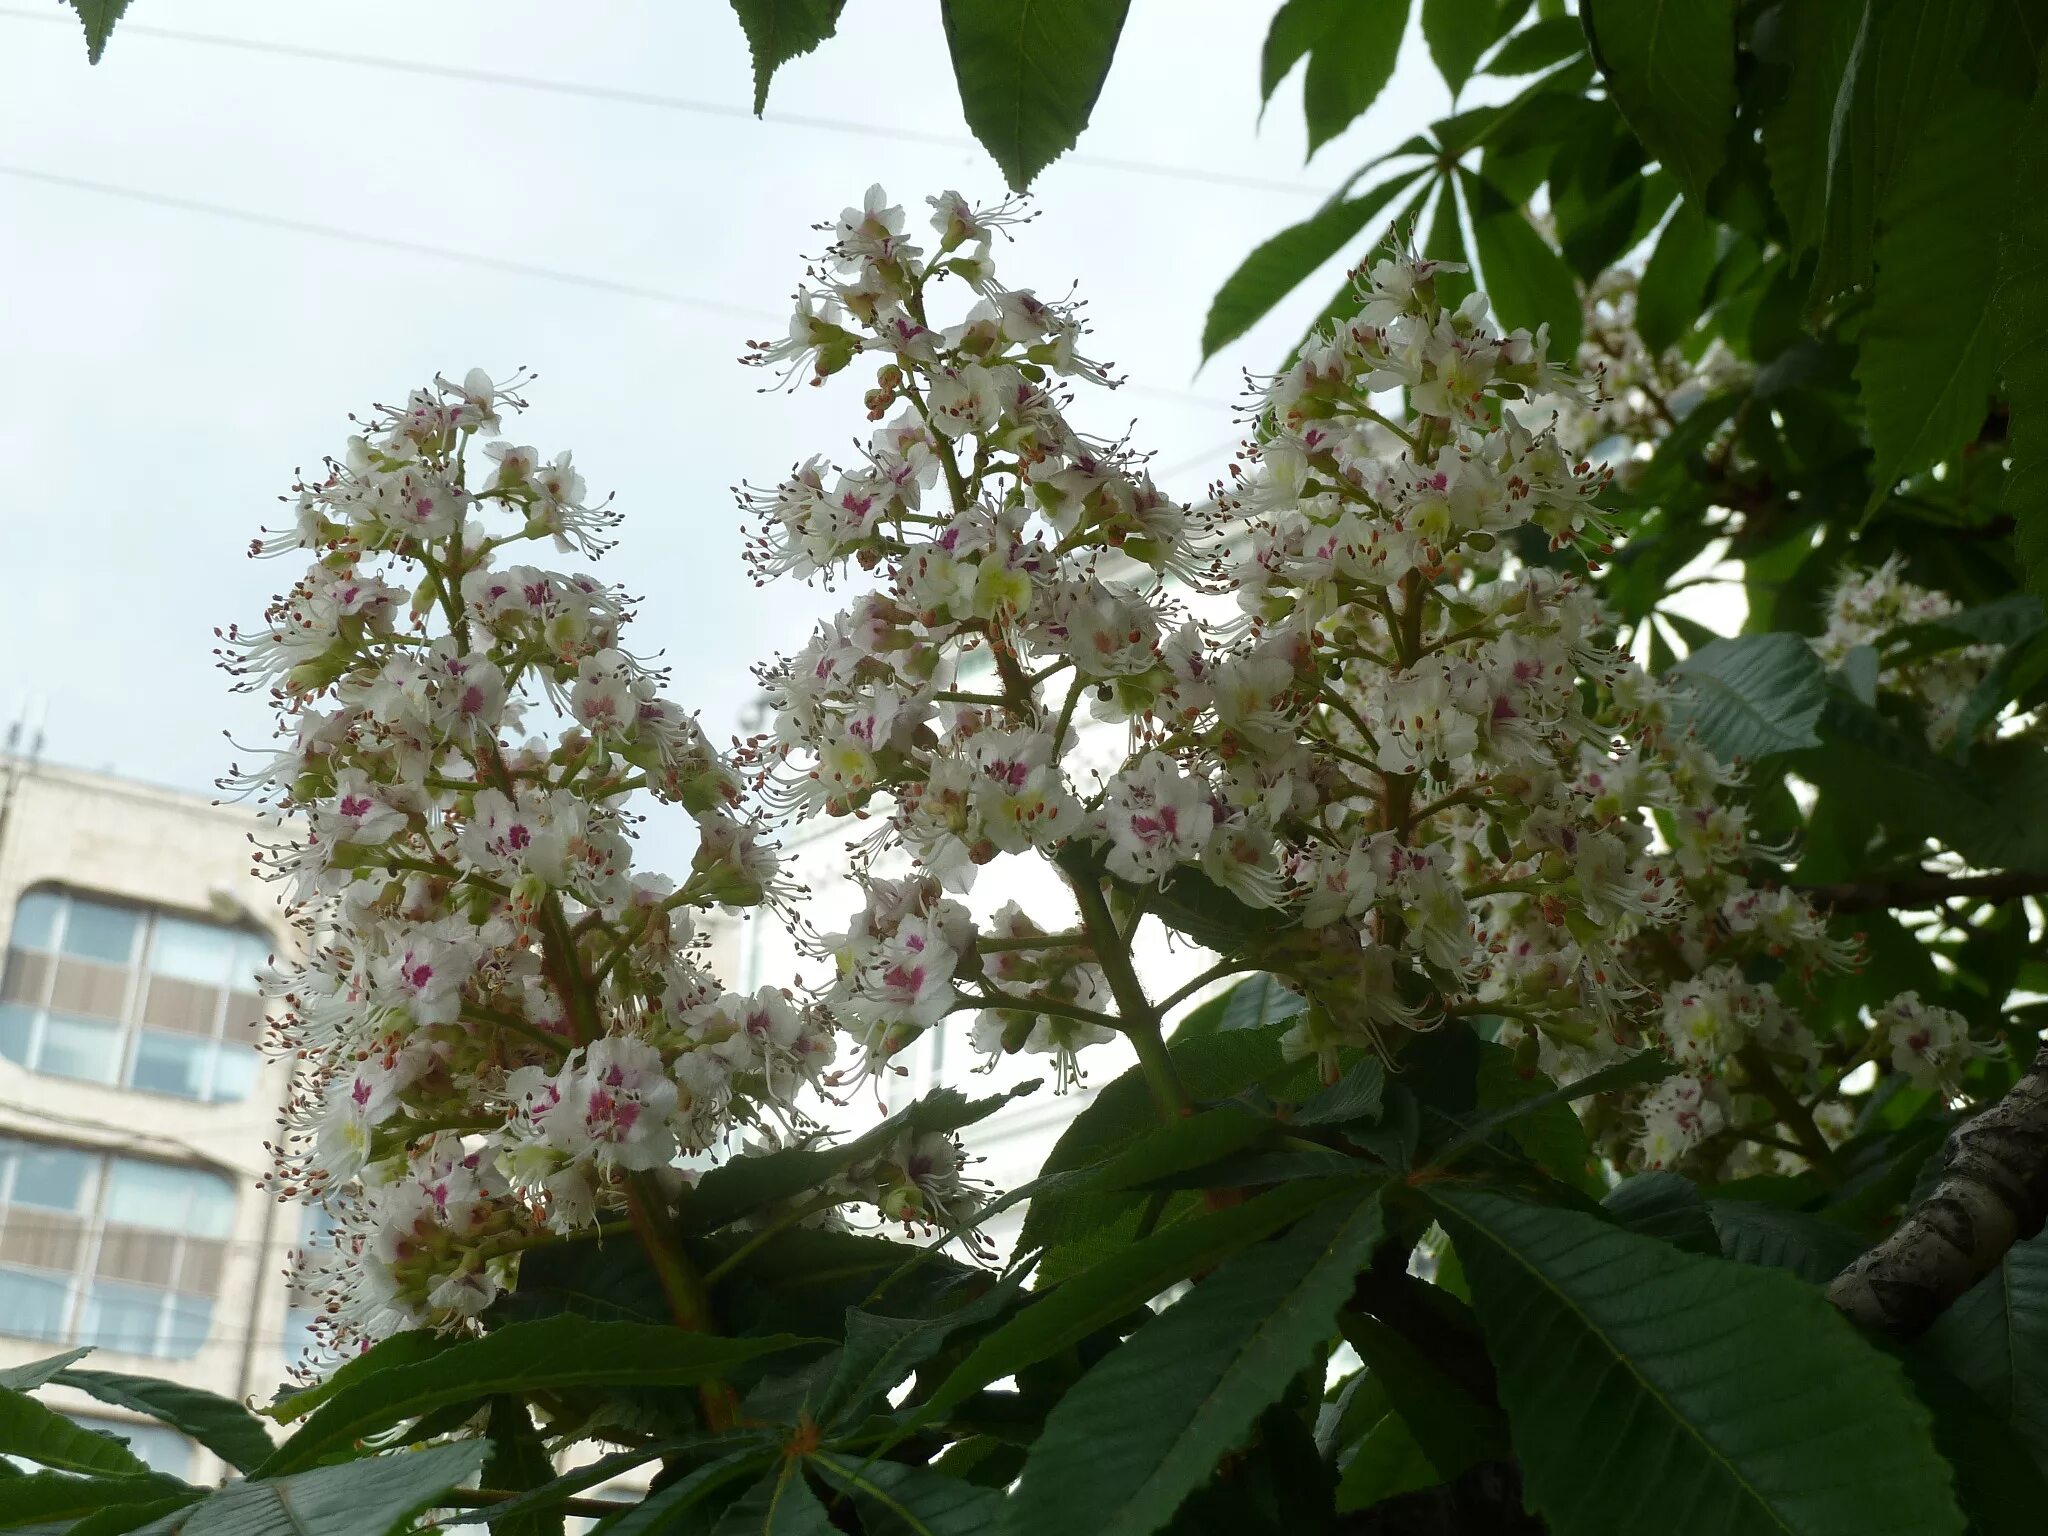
x: 198, y: 295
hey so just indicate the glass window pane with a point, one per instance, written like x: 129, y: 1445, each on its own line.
x: 91, y: 989
x: 171, y: 1064
x: 54, y: 1178
x: 185, y: 1007
x: 81, y: 1048
x: 190, y: 1321
x: 27, y: 977
x: 252, y: 954
x: 158, y: 1446
x: 17, y: 1026
x: 168, y: 1198
x: 123, y: 1317
x: 35, y: 920
x: 234, y: 1073
x: 33, y: 1306
x: 190, y: 951
x: 97, y: 931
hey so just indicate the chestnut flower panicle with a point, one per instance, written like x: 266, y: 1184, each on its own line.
x: 1368, y: 711
x: 501, y: 1022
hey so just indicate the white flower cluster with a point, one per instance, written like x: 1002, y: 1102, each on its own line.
x: 1374, y: 740
x: 502, y: 1023
x: 1867, y: 607
x: 1370, y: 715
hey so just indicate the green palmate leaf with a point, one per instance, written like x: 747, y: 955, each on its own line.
x: 1458, y: 33
x: 1192, y: 1141
x: 43, y: 1499
x: 1754, y: 696
x: 357, y: 1498
x: 1995, y: 1341
x: 1666, y: 1206
x: 519, y: 1462
x: 1549, y: 41
x: 1388, y: 1461
x: 1929, y: 350
x: 387, y: 1354
x: 663, y: 1511
x: 1144, y: 1428
x: 1754, y: 1233
x: 1528, y: 282
x: 1643, y: 1067
x: 44, y: 1436
x: 1999, y: 1487
x: 1808, y: 135
x: 26, y: 1378
x: 1451, y: 1427
x: 1630, y: 1370
x: 547, y: 1497
x: 122, y: 1519
x: 1670, y: 65
x: 781, y: 30
x: 1354, y: 1096
x: 1350, y: 46
x: 560, y: 1351
x: 1081, y: 1224
x: 748, y: 1183
x: 2021, y: 308
x: 1109, y: 1290
x: 899, y: 1500
x: 1673, y: 290
x: 1548, y: 1132
x: 1029, y: 72
x: 781, y: 1504
x: 98, y: 18
x: 881, y: 1351
x: 1446, y: 243
x: 220, y: 1424
x: 1877, y: 70
x: 1278, y: 266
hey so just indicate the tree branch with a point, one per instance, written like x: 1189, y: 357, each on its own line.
x: 1927, y: 890
x: 1993, y: 1192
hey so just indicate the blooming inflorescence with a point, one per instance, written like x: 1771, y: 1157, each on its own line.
x: 1355, y: 721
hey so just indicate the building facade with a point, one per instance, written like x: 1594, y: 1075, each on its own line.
x: 134, y: 1103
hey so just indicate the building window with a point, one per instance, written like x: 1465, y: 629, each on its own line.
x: 128, y: 995
x: 118, y: 1252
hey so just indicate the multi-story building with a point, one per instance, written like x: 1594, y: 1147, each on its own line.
x: 134, y: 1104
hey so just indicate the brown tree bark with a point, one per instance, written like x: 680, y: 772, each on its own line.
x: 1993, y: 1192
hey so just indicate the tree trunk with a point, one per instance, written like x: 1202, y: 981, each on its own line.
x: 1993, y: 1192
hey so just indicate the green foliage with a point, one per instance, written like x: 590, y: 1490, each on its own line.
x: 1930, y: 351
x: 356, y: 1498
x: 550, y: 1353
x: 44, y: 1436
x: 781, y: 30
x: 1029, y: 72
x: 1141, y: 1430
x: 1671, y: 65
x: 41, y: 1499
x: 98, y: 18
x: 1737, y: 1384
x: 1460, y: 31
x: 897, y: 1500
x: 1278, y: 266
x: 745, y: 1184
x: 1755, y: 696
x: 220, y: 1424
x: 1995, y: 1341
x: 1350, y: 46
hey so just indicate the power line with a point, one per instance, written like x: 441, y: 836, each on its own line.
x: 383, y: 242
x: 625, y: 97
x: 468, y: 258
